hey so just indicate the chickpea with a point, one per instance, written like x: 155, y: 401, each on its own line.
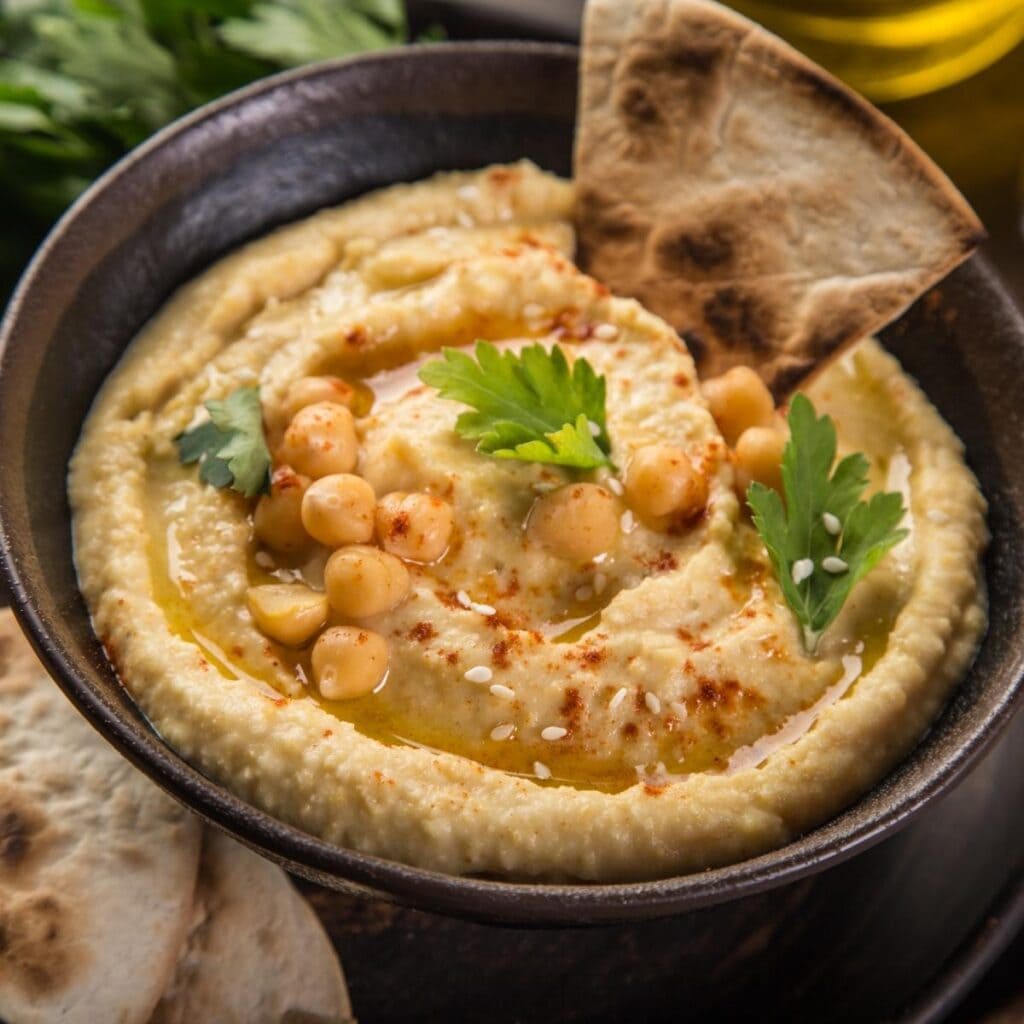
x: 277, y: 520
x: 349, y: 662
x: 738, y: 400
x: 287, y: 612
x: 321, y: 440
x: 661, y: 481
x: 362, y: 581
x: 578, y: 521
x: 311, y: 390
x: 759, y: 457
x: 414, y: 526
x: 338, y: 509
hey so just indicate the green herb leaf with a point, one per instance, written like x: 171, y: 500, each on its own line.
x: 81, y: 81
x: 529, y: 405
x: 795, y: 532
x: 230, y: 447
x: 293, y: 32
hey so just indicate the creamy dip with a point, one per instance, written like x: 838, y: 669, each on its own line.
x: 647, y: 710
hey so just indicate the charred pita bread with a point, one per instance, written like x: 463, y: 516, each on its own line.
x: 97, y: 865
x: 768, y: 213
x: 256, y: 952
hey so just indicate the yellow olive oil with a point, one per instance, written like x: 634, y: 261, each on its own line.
x: 895, y: 49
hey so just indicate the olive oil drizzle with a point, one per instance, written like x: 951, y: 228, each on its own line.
x: 378, y: 716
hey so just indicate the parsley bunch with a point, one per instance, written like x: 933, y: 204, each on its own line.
x: 824, y: 539
x: 82, y: 81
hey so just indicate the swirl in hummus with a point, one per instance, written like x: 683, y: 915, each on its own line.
x: 645, y: 710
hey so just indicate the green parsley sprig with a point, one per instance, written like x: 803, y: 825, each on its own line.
x: 230, y: 447
x: 824, y: 539
x: 527, y: 405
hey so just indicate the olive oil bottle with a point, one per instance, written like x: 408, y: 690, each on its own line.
x: 895, y: 49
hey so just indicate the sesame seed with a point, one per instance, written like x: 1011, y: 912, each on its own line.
x: 594, y: 428
x: 541, y: 770
x: 533, y: 311
x: 834, y: 565
x: 859, y: 649
x: 606, y: 332
x: 263, y: 560
x: 478, y: 674
x: 832, y: 523
x: 600, y: 582
x: 678, y: 709
x: 627, y: 521
x: 802, y: 569
x: 503, y: 731
x: 503, y: 691
x: 653, y: 704
x: 619, y: 697
x: 853, y: 665
x: 584, y: 593
x: 553, y: 732
x: 935, y: 516
x: 463, y: 598
x: 481, y: 609
x: 615, y: 486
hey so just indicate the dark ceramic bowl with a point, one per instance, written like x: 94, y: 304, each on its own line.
x: 279, y: 151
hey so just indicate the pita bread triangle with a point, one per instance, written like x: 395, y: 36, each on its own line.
x: 256, y: 952
x: 97, y: 865
x: 116, y: 906
x: 736, y: 189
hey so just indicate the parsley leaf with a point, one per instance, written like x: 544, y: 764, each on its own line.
x: 796, y: 533
x: 528, y: 405
x: 293, y: 32
x: 229, y: 446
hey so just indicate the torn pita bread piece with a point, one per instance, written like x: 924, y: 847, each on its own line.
x: 97, y: 865
x: 771, y: 215
x: 256, y: 952
x: 115, y: 906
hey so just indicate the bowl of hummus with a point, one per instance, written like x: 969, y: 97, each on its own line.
x: 375, y: 505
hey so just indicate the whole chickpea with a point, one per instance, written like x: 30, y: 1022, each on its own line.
x: 338, y: 509
x: 349, y: 662
x: 320, y: 440
x: 311, y: 390
x: 416, y: 526
x: 577, y: 521
x: 287, y: 612
x: 362, y: 581
x: 661, y: 481
x: 759, y: 457
x: 738, y: 400
x: 277, y: 520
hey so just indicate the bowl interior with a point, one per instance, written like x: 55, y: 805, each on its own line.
x: 277, y: 152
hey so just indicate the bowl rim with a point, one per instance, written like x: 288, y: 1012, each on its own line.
x: 482, y: 899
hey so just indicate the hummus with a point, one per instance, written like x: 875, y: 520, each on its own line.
x: 646, y: 712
